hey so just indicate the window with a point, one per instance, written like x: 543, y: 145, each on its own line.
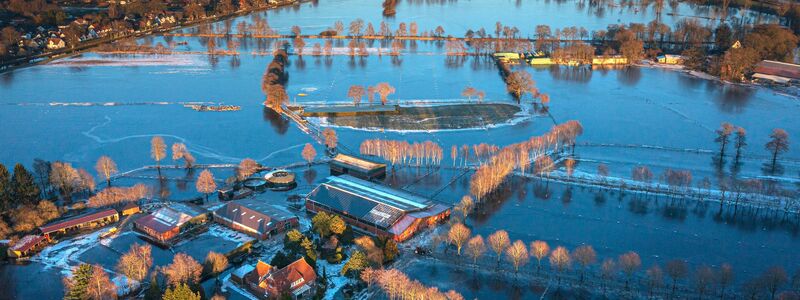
x: 297, y: 282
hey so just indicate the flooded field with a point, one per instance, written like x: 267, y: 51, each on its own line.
x: 79, y: 109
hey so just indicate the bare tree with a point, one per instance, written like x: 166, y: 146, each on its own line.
x: 458, y: 235
x: 740, y: 141
x: 585, y: 256
x: 106, y: 167
x: 723, y: 135
x: 773, y: 279
x: 676, y: 270
x: 703, y: 277
x: 499, y: 241
x: 475, y: 248
x: 540, y: 250
x: 466, y: 205
x: 309, y: 153
x: 331, y: 139
x: 778, y: 143
x: 560, y: 259
x: 569, y: 166
x: 205, y: 183
x: 216, y: 262
x: 655, y: 278
x: 725, y: 277
x: 246, y: 167
x: 607, y: 271
x: 519, y: 83
x: 65, y: 178
x: 136, y: 263
x: 356, y: 92
x: 629, y: 263
x: 469, y: 92
x: 100, y: 286
x: 384, y: 90
x: 183, y: 269
x: 158, y: 150
x: 517, y: 254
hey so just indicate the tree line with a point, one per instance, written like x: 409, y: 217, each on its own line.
x: 427, y: 153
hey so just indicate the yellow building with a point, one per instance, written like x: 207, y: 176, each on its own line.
x: 670, y: 59
x: 609, y: 60
x: 541, y: 61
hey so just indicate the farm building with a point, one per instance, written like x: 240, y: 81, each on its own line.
x: 63, y: 227
x: 168, y: 222
x: 775, y: 71
x: 130, y: 209
x: 358, y: 167
x: 255, y: 217
x: 26, y: 246
x: 609, y: 60
x: 375, y: 208
x: 670, y: 59
x: 267, y: 282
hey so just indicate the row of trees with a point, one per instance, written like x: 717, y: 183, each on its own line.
x: 396, y: 285
x: 676, y: 273
x: 274, y: 81
x: 383, y: 89
x: 427, y: 153
x: 491, y: 174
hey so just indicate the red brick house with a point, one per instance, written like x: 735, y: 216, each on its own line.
x: 267, y: 282
x: 168, y: 222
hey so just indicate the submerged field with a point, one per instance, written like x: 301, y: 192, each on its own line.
x: 438, y: 117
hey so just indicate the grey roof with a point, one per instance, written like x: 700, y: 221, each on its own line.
x: 367, y: 201
x: 255, y: 214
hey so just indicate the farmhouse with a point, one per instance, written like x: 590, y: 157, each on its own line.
x: 267, y: 282
x: 26, y: 246
x: 775, y: 71
x: 255, y: 217
x: 374, y: 208
x: 74, y: 224
x: 358, y: 167
x: 168, y: 222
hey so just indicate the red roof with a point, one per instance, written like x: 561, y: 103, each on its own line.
x: 150, y: 221
x: 27, y: 242
x: 76, y: 221
x: 777, y: 68
x: 292, y: 273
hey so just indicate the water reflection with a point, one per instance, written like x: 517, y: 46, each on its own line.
x: 572, y: 74
x: 277, y: 121
x: 629, y: 76
x: 733, y: 98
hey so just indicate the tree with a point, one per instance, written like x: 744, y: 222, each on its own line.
x: 356, y: 92
x: 736, y: 62
x: 309, y: 153
x: 384, y: 90
x: 181, y: 292
x: 458, y: 235
x: 136, y: 263
x: 6, y: 189
x: 76, y: 286
x: 655, y: 278
x: 629, y: 263
x: 585, y: 256
x: 86, y: 181
x: 676, y: 270
x: 499, y: 241
x: 106, y: 168
x: 517, y: 254
x: 205, y: 183
x: 354, y: 266
x: 569, y: 166
x: 183, y: 270
x: 337, y: 225
x: 321, y: 223
x: 23, y: 186
x: 778, y: 143
x: 215, y: 263
x: 246, y: 167
x: 723, y: 133
x: 774, y: 278
x: 540, y: 250
x: 703, y: 277
x: 469, y: 92
x: 740, y: 141
x: 158, y: 150
x: 356, y: 26
x: 466, y: 205
x: 518, y: 83
x: 65, y: 178
x: 608, y: 270
x: 724, y: 277
x: 100, y: 286
x: 475, y: 248
x: 331, y: 139
x: 560, y: 260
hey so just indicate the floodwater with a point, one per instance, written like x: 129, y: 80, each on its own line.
x: 662, y: 118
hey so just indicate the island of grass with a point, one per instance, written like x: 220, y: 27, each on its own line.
x: 434, y: 117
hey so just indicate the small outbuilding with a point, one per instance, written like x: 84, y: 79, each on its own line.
x: 26, y: 246
x: 130, y: 209
x: 357, y: 167
x: 670, y: 59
